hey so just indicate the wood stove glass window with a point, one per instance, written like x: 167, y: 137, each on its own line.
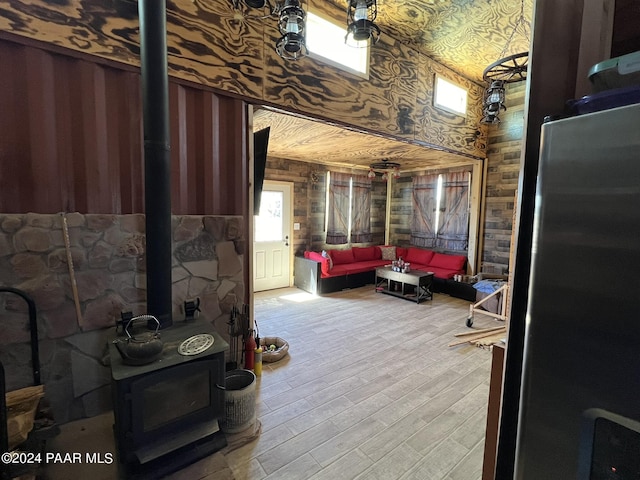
x: 177, y: 397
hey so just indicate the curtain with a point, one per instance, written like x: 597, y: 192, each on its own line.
x: 361, y: 213
x: 454, y: 230
x: 424, y: 202
x: 338, y: 211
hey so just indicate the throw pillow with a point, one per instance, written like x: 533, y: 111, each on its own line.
x: 328, y: 257
x: 388, y: 253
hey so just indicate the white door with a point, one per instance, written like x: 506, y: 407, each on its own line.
x: 272, y: 237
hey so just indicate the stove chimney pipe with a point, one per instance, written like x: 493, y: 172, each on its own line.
x: 157, y: 157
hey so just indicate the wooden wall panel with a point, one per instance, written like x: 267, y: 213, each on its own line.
x: 309, y: 201
x: 206, y: 43
x: 503, y: 174
x: 385, y: 102
x: 71, y: 140
x: 211, y: 44
x: 439, y: 127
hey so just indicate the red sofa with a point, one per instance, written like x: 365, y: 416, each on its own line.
x: 355, y: 267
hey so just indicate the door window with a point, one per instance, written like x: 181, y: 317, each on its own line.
x: 268, y: 225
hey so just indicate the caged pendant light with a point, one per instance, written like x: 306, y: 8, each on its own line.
x: 361, y: 15
x: 291, y: 46
x: 507, y: 69
x: 291, y: 24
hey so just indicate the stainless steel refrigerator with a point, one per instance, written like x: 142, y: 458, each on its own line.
x: 580, y: 398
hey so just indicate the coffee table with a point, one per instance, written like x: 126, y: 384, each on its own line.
x: 413, y: 285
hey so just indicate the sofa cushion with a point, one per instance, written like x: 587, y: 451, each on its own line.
x: 372, y: 264
x: 419, y: 255
x: 325, y: 267
x: 443, y: 273
x: 401, y: 252
x: 364, y: 254
x: 388, y: 253
x: 450, y: 262
x: 341, y: 257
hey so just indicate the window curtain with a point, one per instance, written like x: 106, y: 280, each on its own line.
x: 361, y: 213
x: 454, y: 230
x: 424, y: 202
x: 338, y: 211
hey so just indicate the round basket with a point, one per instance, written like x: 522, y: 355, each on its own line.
x: 282, y: 347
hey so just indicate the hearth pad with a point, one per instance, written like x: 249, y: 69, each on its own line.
x: 196, y: 344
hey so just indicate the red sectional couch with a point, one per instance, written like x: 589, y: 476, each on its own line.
x: 355, y: 267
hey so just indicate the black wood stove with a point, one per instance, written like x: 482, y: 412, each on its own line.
x: 167, y: 411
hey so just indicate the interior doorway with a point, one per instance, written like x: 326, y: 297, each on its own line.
x: 273, y: 232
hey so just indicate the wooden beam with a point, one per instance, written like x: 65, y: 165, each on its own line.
x: 595, y: 41
x: 472, y: 338
x: 475, y: 332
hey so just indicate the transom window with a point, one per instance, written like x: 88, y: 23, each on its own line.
x: 326, y: 41
x: 449, y: 96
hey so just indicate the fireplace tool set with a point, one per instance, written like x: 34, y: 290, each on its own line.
x: 238, y: 331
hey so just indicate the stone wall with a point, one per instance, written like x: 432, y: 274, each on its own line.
x: 503, y: 171
x: 108, y: 261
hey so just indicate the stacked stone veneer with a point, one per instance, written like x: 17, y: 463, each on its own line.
x: 108, y: 260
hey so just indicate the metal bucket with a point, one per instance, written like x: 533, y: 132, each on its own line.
x: 239, y: 401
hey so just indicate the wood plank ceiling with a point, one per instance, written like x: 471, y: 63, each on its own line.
x: 464, y: 35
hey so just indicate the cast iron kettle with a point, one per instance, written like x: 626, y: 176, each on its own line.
x: 142, y: 348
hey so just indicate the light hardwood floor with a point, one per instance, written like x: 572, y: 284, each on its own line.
x: 370, y: 390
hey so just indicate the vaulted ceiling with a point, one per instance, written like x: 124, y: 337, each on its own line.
x: 464, y: 35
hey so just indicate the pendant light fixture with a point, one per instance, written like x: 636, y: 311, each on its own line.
x: 507, y: 69
x: 291, y: 46
x: 361, y: 15
x: 386, y: 168
x: 291, y: 24
x: 494, y: 97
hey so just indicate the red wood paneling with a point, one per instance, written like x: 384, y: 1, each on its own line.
x: 71, y: 140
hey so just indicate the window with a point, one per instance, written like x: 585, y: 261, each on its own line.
x: 348, y: 211
x: 449, y: 97
x: 441, y: 211
x: 268, y: 225
x: 325, y: 41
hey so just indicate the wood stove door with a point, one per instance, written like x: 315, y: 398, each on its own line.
x: 169, y: 406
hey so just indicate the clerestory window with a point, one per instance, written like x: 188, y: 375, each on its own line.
x: 326, y: 42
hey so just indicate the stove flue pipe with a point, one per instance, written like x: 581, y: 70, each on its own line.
x: 157, y: 157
